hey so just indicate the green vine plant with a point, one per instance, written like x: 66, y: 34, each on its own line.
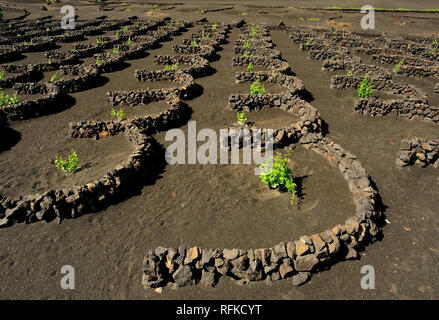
x: 116, y: 50
x: 6, y: 100
x: 99, y: 41
x: 99, y: 61
x: 246, y: 44
x: 350, y: 73
x: 130, y: 42
x: 396, y: 68
x: 280, y: 176
x: 214, y: 26
x: 204, y: 35
x: 365, y: 89
x: 119, y: 114
x: 250, y: 67
x: 171, y: 67
x: 242, y: 118
x: 2, y: 75
x: 309, y: 41
x: 257, y: 87
x: 68, y: 166
x: 194, y: 43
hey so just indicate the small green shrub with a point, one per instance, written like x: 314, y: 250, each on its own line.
x: 253, y: 31
x: 396, y: 68
x: 99, y: 41
x: 130, y: 42
x: 171, y: 67
x: 214, y: 26
x: 280, y: 177
x: 250, y: 67
x: 194, y: 43
x: 70, y: 165
x: 2, y: 75
x: 246, y: 44
x: 365, y: 89
x: 257, y: 87
x: 309, y: 41
x: 54, y: 77
x: 99, y: 61
x: 119, y: 114
x: 125, y: 28
x: 116, y: 50
x: 350, y: 74
x: 242, y: 118
x: 6, y: 100
x: 128, y: 10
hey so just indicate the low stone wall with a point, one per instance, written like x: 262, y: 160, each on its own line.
x: 186, y: 85
x: 197, y: 66
x: 273, y: 64
x: 176, y: 114
x: 26, y: 76
x: 204, y: 51
x: 419, y: 151
x: 83, y: 78
x: 269, y: 53
x: 414, y: 104
x: 413, y: 109
x: 291, y: 83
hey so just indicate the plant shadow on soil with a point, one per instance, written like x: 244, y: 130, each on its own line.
x: 9, y: 138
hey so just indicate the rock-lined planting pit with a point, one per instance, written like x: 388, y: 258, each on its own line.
x: 184, y: 266
x: 31, y: 52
